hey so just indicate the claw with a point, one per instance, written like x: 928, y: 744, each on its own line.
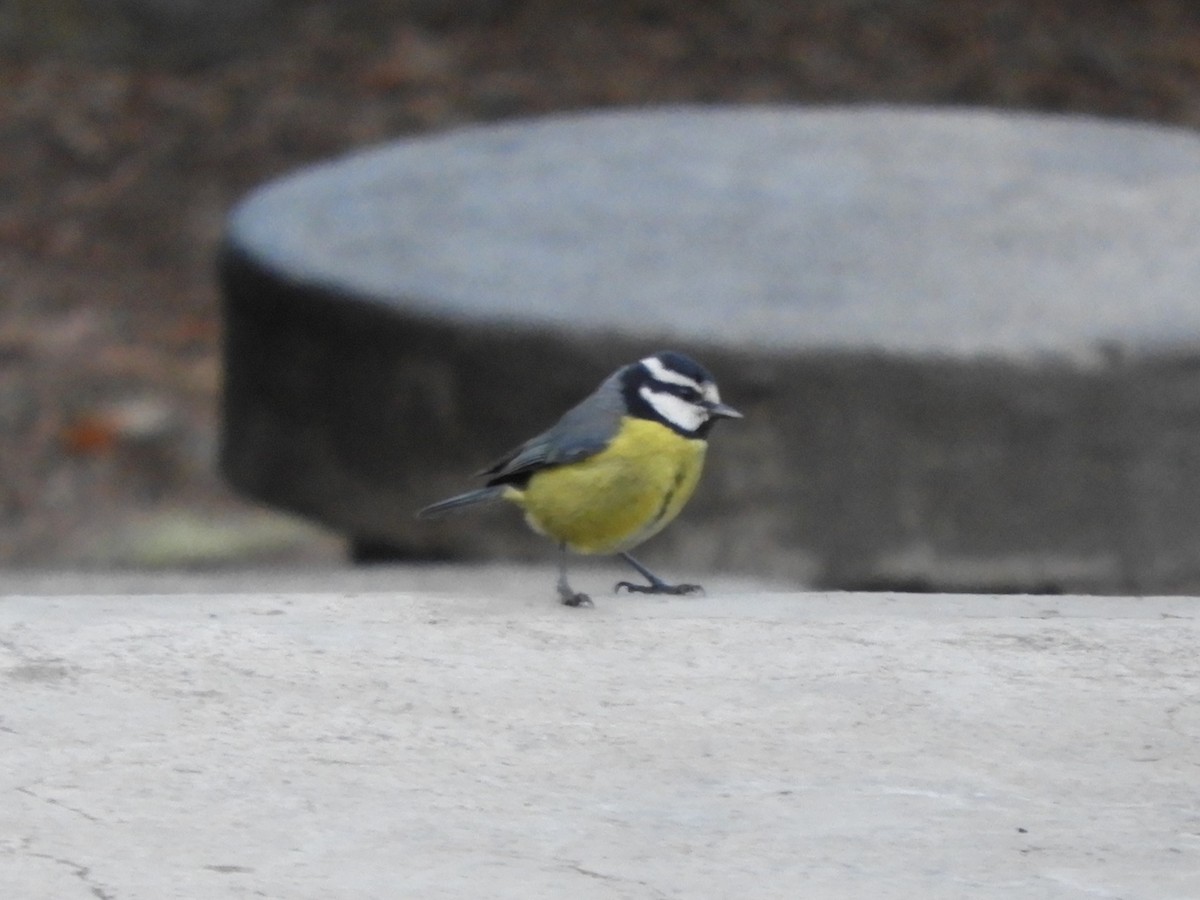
x: 577, y: 600
x: 658, y: 587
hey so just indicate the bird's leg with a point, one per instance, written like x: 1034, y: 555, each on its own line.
x: 656, y: 585
x: 568, y: 596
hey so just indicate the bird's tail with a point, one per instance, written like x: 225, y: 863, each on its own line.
x: 461, y: 501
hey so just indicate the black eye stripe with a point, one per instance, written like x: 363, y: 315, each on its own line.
x: 682, y: 391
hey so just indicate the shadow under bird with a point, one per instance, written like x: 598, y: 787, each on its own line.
x: 615, y: 469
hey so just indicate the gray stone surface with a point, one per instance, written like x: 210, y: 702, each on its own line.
x: 955, y: 231
x: 441, y: 733
x: 964, y: 340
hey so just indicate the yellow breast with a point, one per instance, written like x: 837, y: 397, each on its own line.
x: 618, y: 498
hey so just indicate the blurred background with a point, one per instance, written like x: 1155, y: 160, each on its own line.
x: 128, y: 128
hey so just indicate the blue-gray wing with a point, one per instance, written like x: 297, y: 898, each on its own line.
x: 583, y: 431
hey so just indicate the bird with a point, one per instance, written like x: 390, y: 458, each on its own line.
x: 615, y: 470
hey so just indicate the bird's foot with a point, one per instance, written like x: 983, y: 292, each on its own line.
x: 658, y: 587
x: 566, y: 593
x: 573, y: 598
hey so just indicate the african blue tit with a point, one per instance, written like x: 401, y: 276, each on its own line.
x: 615, y: 469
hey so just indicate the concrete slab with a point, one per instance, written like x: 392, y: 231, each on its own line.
x: 442, y: 733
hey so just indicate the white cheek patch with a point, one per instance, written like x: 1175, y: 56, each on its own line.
x: 661, y: 373
x: 683, y: 415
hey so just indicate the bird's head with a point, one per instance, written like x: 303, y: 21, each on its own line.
x: 677, y: 391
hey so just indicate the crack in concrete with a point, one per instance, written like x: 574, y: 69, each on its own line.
x: 82, y: 872
x: 29, y: 792
x: 601, y: 876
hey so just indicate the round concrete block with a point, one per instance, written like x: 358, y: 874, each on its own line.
x: 956, y: 333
